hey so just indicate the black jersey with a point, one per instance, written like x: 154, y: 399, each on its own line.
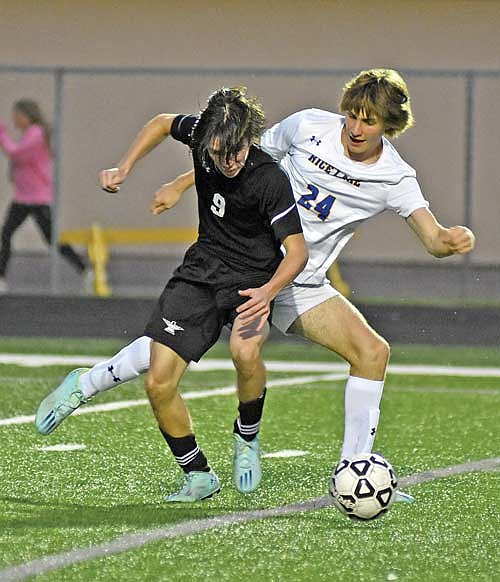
x: 242, y: 220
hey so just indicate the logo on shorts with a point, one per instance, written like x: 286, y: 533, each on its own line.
x: 172, y: 327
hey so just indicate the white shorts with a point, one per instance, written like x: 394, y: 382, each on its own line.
x: 293, y: 301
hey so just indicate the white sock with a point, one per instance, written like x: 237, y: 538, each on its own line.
x: 126, y: 365
x: 362, y: 401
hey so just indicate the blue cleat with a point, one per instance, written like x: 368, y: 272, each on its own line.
x: 60, y: 403
x: 197, y: 485
x: 402, y: 497
x: 246, y: 464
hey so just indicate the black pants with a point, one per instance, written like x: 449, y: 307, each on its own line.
x: 16, y: 215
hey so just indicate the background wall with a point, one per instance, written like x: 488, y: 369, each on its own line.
x: 103, y: 112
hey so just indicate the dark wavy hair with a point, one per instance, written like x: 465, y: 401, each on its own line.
x: 230, y: 117
x: 33, y: 112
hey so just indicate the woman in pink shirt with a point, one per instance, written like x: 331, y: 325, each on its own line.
x: 31, y: 174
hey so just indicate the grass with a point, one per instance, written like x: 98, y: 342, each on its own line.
x: 56, y: 501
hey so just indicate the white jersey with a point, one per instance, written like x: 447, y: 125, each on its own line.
x: 335, y: 194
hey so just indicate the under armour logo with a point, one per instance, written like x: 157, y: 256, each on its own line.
x: 172, y: 327
x: 111, y: 371
x: 315, y: 140
x: 373, y: 431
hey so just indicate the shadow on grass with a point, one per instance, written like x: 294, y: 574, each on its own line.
x: 53, y: 514
x: 134, y: 516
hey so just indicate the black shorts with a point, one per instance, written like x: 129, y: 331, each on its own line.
x: 199, y: 300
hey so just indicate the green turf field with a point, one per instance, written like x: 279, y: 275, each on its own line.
x: 56, y: 501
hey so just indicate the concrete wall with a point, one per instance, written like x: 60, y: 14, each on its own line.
x: 102, y: 113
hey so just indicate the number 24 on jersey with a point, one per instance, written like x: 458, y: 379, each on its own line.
x: 321, y: 208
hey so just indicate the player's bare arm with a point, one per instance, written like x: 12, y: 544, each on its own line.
x: 170, y: 194
x: 258, y: 305
x: 152, y: 134
x: 439, y: 240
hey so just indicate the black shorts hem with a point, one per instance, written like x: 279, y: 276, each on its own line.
x: 187, y: 358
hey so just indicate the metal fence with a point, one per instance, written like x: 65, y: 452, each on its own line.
x: 60, y: 76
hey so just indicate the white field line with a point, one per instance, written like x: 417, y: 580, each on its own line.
x: 444, y: 390
x: 211, y: 364
x: 193, y: 395
x: 39, y: 360
x: 62, y: 448
x: 226, y: 390
x: 133, y: 541
x: 284, y: 454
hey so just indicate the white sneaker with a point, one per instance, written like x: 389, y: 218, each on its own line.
x: 4, y: 288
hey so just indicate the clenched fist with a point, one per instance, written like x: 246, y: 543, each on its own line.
x: 166, y: 198
x: 459, y: 239
x: 111, y: 179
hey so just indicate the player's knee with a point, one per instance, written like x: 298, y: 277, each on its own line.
x: 384, y: 351
x: 159, y: 389
x: 371, y: 355
x: 246, y: 357
x: 378, y: 351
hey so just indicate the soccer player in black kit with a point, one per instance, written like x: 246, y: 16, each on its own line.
x: 229, y: 276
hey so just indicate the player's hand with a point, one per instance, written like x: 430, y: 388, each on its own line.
x: 111, y: 179
x: 459, y: 239
x: 256, y: 308
x: 165, y: 198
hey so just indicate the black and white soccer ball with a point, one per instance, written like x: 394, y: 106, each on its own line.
x: 363, y: 487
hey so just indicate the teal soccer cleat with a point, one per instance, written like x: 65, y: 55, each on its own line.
x: 197, y: 485
x: 402, y: 497
x: 246, y: 464
x: 60, y: 403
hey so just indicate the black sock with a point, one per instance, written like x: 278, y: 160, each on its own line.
x: 187, y: 453
x: 247, y: 424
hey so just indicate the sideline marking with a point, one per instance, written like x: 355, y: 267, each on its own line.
x: 284, y: 454
x: 193, y: 395
x: 132, y: 541
x: 210, y: 364
x: 62, y: 447
x: 291, y: 382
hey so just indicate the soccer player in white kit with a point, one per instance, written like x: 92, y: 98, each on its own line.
x: 343, y: 171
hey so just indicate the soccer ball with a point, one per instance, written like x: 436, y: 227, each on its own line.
x: 363, y: 487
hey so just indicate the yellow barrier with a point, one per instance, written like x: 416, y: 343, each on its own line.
x: 98, y: 239
x: 336, y: 279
